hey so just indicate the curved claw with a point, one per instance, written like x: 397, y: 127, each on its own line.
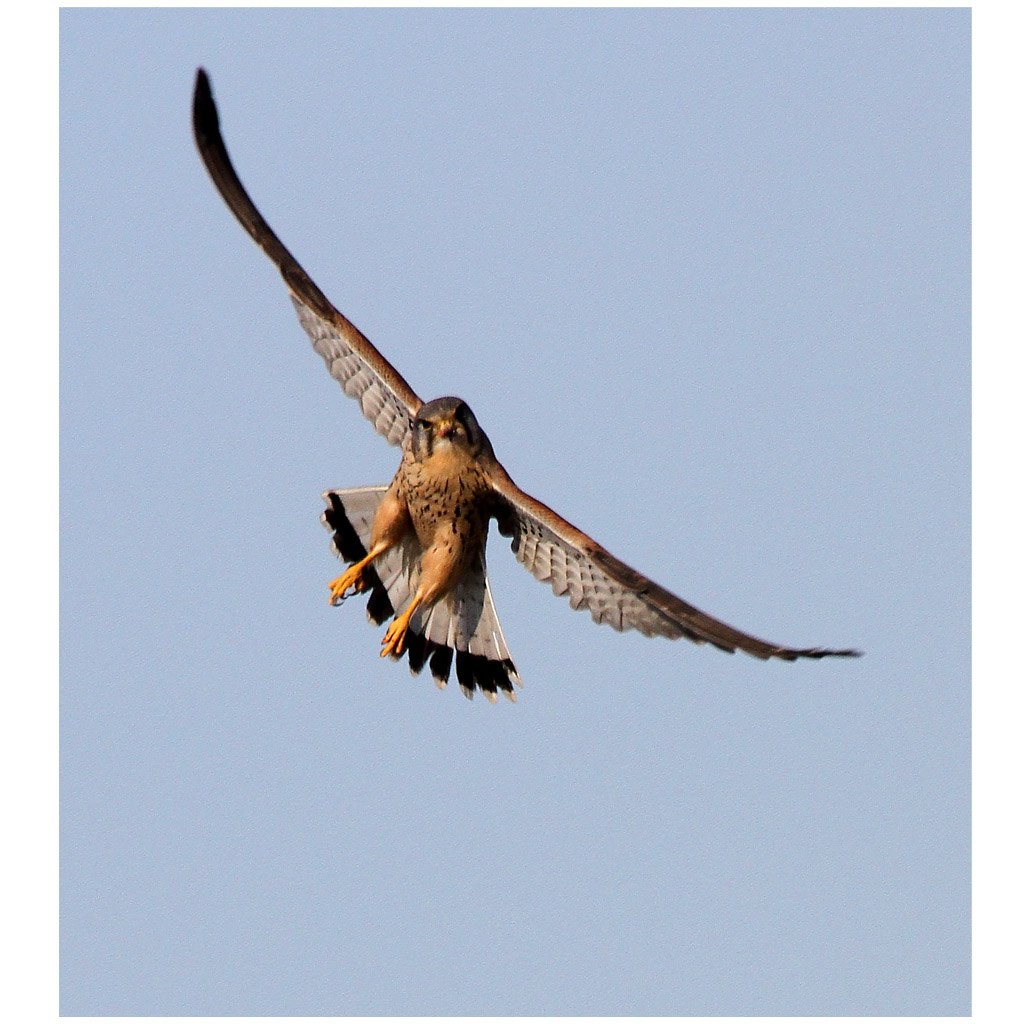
x: 351, y: 579
x: 393, y: 642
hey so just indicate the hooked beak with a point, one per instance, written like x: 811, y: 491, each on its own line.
x: 445, y: 428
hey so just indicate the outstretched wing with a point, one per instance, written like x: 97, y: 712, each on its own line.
x: 575, y: 564
x: 386, y: 399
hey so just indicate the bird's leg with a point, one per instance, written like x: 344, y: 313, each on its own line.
x: 352, y: 577
x: 390, y: 523
x: 440, y: 567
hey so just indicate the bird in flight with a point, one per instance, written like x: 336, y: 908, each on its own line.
x: 416, y: 546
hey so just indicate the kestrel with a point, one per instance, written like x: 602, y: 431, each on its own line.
x: 417, y: 545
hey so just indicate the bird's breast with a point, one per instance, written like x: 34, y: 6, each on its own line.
x: 447, y: 492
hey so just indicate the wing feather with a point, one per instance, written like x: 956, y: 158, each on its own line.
x: 556, y: 552
x: 364, y: 374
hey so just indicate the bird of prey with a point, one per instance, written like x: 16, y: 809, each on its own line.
x: 416, y: 545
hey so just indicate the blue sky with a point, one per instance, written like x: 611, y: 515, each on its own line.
x: 704, y: 278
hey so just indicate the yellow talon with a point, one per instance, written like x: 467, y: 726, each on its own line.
x: 351, y: 578
x: 394, y: 639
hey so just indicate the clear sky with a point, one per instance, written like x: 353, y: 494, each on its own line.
x: 704, y: 278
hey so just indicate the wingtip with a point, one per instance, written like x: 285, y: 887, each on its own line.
x: 204, y: 110
x: 819, y: 652
x: 201, y: 89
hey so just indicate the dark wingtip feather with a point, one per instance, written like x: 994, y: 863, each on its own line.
x: 817, y: 653
x: 205, y: 120
x: 203, y: 109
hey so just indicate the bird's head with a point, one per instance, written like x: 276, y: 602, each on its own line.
x: 447, y: 424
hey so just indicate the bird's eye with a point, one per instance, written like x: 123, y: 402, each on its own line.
x: 421, y: 424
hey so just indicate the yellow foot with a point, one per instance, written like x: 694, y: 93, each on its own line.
x: 394, y: 639
x: 351, y: 578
